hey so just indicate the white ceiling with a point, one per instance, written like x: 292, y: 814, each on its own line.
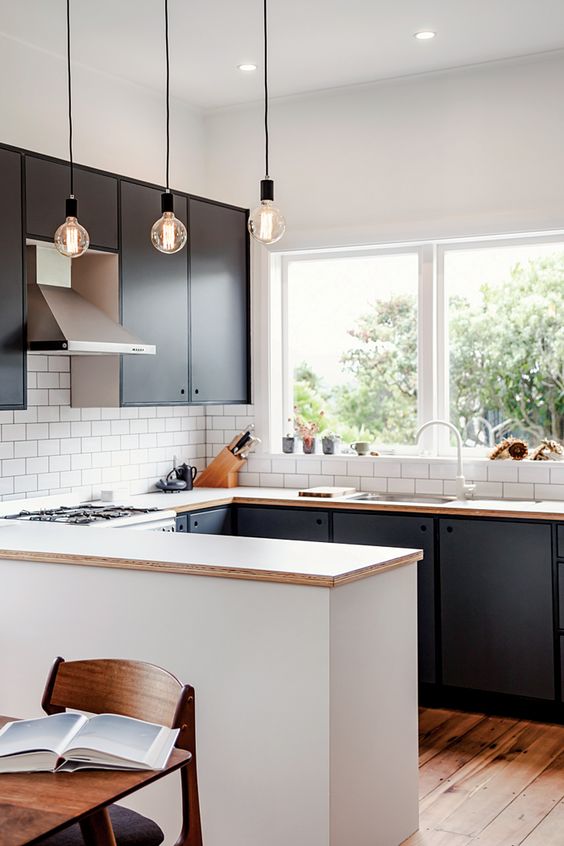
x: 315, y: 44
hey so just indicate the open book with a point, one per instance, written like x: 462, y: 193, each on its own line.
x: 69, y: 742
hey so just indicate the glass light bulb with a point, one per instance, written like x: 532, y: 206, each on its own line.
x: 168, y: 234
x: 266, y: 223
x: 71, y: 239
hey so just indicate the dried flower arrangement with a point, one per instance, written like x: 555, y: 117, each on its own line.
x: 548, y: 450
x: 307, y: 430
x: 510, y: 448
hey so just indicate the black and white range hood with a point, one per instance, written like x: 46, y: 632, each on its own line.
x: 62, y: 321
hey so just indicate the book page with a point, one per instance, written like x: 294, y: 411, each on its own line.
x: 114, y: 736
x: 50, y: 734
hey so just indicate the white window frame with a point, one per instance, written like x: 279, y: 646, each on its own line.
x: 270, y: 335
x: 444, y: 446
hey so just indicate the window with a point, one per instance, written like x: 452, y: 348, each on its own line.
x: 375, y: 342
x: 351, y: 330
x: 505, y: 368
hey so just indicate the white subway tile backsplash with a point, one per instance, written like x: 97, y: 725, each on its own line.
x: 13, y: 467
x: 60, y: 363
x: 296, y: 480
x: 519, y: 490
x: 401, y: 485
x: 271, y: 480
x: 418, y: 470
x: 25, y: 484
x: 503, y: 471
x: 358, y: 467
x: 557, y: 474
x: 429, y: 486
x: 25, y: 449
x: 533, y: 471
x: 13, y: 432
x: 389, y: 469
x: 549, y: 491
x: 35, y: 397
x: 308, y: 465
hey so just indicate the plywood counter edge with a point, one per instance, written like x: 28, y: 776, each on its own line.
x: 400, y: 507
x: 217, y: 571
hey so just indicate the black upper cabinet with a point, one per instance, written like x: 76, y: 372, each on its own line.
x: 47, y: 187
x: 402, y: 531
x: 154, y: 302
x: 12, y: 316
x: 496, y: 606
x: 219, y: 299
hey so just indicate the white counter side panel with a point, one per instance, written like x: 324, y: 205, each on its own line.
x: 257, y: 654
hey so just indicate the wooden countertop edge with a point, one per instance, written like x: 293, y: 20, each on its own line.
x: 216, y: 571
x: 404, y: 508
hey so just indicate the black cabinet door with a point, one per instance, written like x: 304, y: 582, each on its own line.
x: 12, y: 319
x: 496, y: 606
x: 154, y: 289
x: 219, y: 303
x: 413, y: 533
x: 215, y: 521
x: 288, y: 523
x: 47, y: 187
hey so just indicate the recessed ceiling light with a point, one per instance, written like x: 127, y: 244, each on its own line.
x: 247, y: 66
x: 424, y: 35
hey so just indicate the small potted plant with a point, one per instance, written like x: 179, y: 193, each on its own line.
x: 330, y: 443
x: 289, y: 440
x: 307, y: 430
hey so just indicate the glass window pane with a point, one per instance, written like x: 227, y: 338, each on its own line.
x: 352, y: 345
x: 506, y: 342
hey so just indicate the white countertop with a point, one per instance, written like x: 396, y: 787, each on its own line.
x: 257, y: 559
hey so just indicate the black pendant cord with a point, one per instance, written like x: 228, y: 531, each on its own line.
x: 265, y: 89
x: 70, y: 99
x: 167, y: 97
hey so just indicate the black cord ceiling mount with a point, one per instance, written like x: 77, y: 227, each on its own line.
x: 71, y: 239
x: 266, y: 222
x: 168, y: 234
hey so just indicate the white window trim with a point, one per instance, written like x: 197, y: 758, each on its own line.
x: 269, y: 335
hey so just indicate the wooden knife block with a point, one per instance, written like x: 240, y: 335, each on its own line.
x: 223, y: 472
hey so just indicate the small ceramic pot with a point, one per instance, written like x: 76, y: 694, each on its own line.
x: 309, y: 445
x: 331, y: 446
x: 288, y: 444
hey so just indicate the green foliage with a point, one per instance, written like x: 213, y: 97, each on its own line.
x: 506, y: 363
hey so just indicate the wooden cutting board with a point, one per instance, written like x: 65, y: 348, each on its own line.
x: 326, y: 492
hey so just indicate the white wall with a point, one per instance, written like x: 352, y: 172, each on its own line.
x: 464, y: 152
x: 118, y: 126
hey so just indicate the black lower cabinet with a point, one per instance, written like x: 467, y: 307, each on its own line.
x: 12, y: 318
x: 497, y: 607
x: 401, y: 531
x: 215, y: 521
x: 212, y: 521
x: 287, y: 523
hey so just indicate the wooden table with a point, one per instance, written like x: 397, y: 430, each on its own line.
x: 33, y: 805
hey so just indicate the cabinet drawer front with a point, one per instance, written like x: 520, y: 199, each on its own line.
x: 286, y: 523
x: 12, y: 320
x: 154, y: 303
x: 213, y: 522
x: 496, y: 606
x: 560, y: 541
x: 561, y: 592
x: 182, y: 523
x: 401, y: 530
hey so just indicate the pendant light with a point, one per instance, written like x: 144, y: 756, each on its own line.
x: 266, y: 223
x: 168, y: 234
x: 71, y: 239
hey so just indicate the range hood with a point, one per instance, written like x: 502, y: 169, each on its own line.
x: 65, y: 322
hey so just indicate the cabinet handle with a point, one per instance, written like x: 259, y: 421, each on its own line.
x: 195, y: 522
x: 450, y: 529
x: 319, y: 521
x: 423, y: 528
x: 182, y: 391
x: 196, y: 391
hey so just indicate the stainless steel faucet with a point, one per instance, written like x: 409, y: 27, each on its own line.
x: 462, y: 490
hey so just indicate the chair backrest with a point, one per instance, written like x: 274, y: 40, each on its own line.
x: 133, y: 689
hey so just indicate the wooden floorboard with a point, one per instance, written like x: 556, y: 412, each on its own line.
x: 489, y: 781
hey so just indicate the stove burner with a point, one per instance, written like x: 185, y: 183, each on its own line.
x: 81, y: 515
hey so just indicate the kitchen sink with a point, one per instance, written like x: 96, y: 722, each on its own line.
x: 431, y: 499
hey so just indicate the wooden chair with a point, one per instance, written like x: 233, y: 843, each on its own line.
x: 146, y: 692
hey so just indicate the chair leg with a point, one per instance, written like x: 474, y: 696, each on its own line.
x: 97, y: 829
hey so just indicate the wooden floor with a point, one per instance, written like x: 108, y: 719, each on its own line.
x: 488, y: 781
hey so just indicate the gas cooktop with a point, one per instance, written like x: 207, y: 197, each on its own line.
x: 82, y: 515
